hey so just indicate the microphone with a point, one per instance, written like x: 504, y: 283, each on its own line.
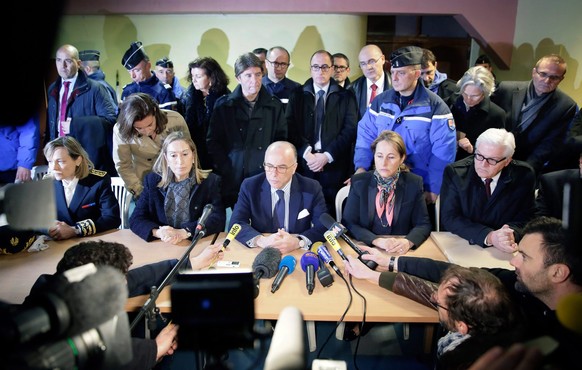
x: 324, y: 254
x: 334, y: 244
x: 323, y: 274
x: 286, y: 267
x: 265, y: 265
x: 201, y: 227
x: 339, y: 230
x: 310, y: 264
x: 66, y: 306
x: 567, y: 311
x: 234, y: 230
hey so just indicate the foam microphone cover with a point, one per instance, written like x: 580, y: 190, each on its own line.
x: 326, y: 220
x: 92, y: 301
x: 568, y: 312
x: 267, y: 262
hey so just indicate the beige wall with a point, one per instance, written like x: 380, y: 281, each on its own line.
x: 544, y: 27
x: 224, y: 37
x: 541, y: 27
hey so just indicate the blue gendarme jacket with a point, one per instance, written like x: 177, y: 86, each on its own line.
x: 426, y: 125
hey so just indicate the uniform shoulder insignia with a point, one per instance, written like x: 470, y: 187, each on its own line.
x: 99, y: 173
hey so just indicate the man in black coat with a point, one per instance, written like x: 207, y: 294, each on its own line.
x: 492, y: 219
x: 550, y: 197
x: 325, y: 152
x: 538, y: 114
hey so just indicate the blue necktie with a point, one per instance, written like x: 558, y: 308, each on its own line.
x: 319, y: 115
x: 279, y: 213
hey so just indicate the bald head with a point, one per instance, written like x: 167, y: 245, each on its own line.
x: 371, y: 61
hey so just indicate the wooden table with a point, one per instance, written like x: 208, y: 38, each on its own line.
x: 19, y: 272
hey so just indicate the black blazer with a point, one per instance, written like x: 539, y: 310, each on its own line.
x: 466, y: 211
x: 410, y: 212
x: 550, y: 198
x: 547, y: 132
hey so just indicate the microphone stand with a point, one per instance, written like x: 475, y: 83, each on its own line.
x: 149, y: 308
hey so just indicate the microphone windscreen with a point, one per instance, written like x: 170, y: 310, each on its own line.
x: 289, y: 262
x: 93, y: 300
x: 326, y: 220
x: 309, y: 258
x: 568, y: 312
x: 287, y: 350
x: 315, y: 246
x: 266, y: 263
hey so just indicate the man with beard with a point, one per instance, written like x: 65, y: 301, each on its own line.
x: 473, y: 306
x: 548, y: 268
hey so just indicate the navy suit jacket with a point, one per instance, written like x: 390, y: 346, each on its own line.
x: 93, y: 199
x: 466, y: 211
x: 149, y: 211
x: 410, y: 212
x: 537, y: 143
x: 253, y: 210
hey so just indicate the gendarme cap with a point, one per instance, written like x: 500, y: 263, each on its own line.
x: 87, y: 55
x: 406, y: 56
x: 133, y: 56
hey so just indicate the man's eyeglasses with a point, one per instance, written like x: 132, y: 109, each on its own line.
x: 370, y: 62
x: 340, y: 68
x: 280, y: 169
x: 552, y: 78
x: 490, y: 161
x: 316, y: 68
x: 434, y: 300
x: 279, y: 65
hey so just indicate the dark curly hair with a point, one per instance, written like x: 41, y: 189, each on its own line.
x: 99, y: 252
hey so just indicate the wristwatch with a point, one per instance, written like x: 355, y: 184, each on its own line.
x: 188, y: 233
x: 301, y: 242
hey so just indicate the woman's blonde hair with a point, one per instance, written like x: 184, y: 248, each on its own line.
x: 75, y: 150
x: 161, y: 165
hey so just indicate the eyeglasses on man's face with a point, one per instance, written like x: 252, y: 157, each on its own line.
x: 552, y: 78
x: 280, y: 169
x: 490, y: 161
x: 340, y: 68
x: 316, y: 67
x: 370, y: 62
x: 279, y: 65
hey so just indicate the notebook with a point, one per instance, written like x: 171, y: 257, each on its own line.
x: 460, y: 252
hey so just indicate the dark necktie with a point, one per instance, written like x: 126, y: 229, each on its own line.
x: 488, y: 187
x: 374, y: 87
x: 63, y: 108
x: 279, y: 213
x: 319, y: 114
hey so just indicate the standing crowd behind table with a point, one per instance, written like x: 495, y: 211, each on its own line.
x: 276, y: 152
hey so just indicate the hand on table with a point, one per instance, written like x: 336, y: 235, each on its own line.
x: 393, y: 245
x: 170, y: 235
x: 503, y: 239
x: 281, y: 240
x: 62, y: 231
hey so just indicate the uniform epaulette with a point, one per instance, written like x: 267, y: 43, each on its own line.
x: 99, y: 173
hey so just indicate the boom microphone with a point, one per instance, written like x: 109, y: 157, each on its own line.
x: 265, y: 265
x: 310, y: 264
x: 286, y: 267
x: 327, y: 258
x: 339, y: 230
x: 201, y: 227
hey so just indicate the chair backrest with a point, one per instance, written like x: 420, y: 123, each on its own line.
x: 123, y: 198
x: 340, y: 197
x: 38, y: 172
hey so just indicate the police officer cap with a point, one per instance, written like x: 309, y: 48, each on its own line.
x: 13, y: 241
x: 165, y: 63
x: 406, y: 56
x: 133, y: 56
x: 87, y: 55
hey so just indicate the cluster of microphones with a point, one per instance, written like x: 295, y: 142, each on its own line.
x: 270, y: 263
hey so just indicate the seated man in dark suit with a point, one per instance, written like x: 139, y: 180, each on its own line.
x: 294, y: 220
x: 538, y: 114
x: 550, y: 198
x: 488, y: 217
